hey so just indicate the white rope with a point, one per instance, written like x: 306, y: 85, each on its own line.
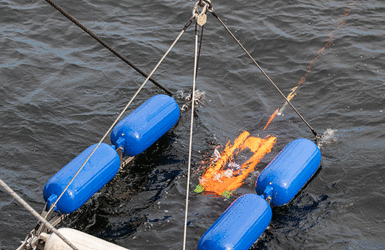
x: 191, y: 133
x: 117, y: 119
x: 38, y: 216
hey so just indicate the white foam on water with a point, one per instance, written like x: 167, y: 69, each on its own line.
x: 328, y: 137
x: 198, y: 98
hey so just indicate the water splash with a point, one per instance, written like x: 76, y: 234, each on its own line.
x: 329, y: 136
x: 198, y: 98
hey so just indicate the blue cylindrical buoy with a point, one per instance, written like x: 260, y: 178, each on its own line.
x: 289, y: 171
x: 145, y: 125
x: 100, y: 169
x: 239, y: 226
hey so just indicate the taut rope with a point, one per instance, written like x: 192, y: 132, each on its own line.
x: 191, y: 134
x: 200, y: 21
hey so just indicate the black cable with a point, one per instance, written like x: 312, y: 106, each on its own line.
x: 200, y: 47
x: 71, y: 18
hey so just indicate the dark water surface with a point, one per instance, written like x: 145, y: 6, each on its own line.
x: 60, y: 91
